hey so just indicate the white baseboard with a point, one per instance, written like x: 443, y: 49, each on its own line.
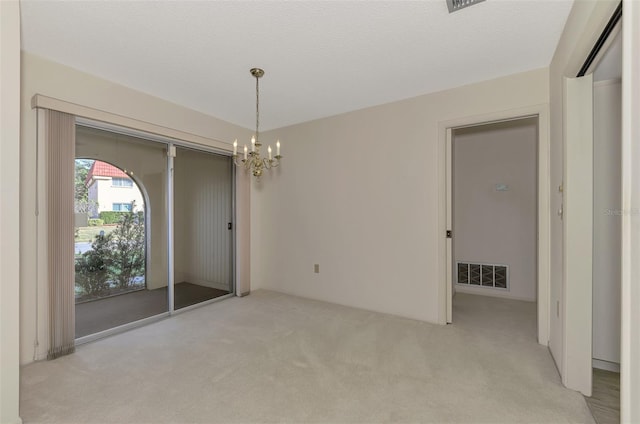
x: 605, y: 365
x: 488, y: 291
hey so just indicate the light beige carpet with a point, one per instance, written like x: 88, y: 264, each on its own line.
x: 270, y: 358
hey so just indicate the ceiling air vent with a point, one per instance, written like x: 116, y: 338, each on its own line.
x: 455, y: 5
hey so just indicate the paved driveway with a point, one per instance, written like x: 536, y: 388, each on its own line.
x: 81, y: 247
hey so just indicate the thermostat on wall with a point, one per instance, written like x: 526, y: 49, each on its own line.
x: 502, y: 187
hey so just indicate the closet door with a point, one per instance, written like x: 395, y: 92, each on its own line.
x: 578, y: 236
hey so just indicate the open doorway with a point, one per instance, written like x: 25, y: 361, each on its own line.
x: 446, y: 130
x: 494, y: 218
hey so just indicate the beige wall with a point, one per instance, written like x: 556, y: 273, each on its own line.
x: 491, y: 226
x: 584, y: 25
x: 359, y: 194
x: 9, y: 212
x: 55, y: 80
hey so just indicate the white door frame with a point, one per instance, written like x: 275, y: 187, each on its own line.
x: 630, y: 349
x: 544, y: 205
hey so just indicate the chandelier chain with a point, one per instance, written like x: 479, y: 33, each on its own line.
x: 257, y: 108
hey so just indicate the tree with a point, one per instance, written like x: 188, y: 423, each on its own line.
x: 82, y: 202
x: 82, y: 170
x: 115, y: 258
x: 127, y: 249
x: 92, y: 267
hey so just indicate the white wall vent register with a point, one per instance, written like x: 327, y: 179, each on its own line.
x: 483, y: 275
x: 455, y: 5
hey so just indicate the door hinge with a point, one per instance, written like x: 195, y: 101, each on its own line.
x: 449, y: 234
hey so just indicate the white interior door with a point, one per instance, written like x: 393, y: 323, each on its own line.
x: 578, y: 233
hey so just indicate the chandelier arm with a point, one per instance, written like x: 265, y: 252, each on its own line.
x: 272, y: 163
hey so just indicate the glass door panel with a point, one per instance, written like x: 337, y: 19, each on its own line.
x: 121, y: 230
x: 202, y: 226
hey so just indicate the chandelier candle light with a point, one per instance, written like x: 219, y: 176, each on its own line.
x: 252, y: 160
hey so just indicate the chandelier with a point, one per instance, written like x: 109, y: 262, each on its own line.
x: 252, y: 160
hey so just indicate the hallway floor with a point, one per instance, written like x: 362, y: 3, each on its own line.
x: 604, y: 402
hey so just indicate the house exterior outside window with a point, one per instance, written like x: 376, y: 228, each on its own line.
x: 111, y: 189
x: 121, y: 207
x: 121, y: 182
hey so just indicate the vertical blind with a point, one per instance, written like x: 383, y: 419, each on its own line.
x: 60, y: 156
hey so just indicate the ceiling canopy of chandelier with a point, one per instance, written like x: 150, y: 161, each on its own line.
x: 252, y: 161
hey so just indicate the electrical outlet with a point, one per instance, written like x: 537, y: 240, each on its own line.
x: 316, y: 268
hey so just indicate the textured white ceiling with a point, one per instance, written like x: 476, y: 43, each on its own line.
x: 321, y: 58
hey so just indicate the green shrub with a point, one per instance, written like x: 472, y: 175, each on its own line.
x: 116, y: 259
x: 127, y: 250
x: 95, y: 222
x: 92, y: 268
x: 111, y: 217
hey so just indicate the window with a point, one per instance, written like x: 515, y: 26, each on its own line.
x: 121, y: 207
x: 121, y: 182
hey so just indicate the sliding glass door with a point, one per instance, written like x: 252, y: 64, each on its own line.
x: 124, y: 210
x: 203, y: 215
x: 121, y: 230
